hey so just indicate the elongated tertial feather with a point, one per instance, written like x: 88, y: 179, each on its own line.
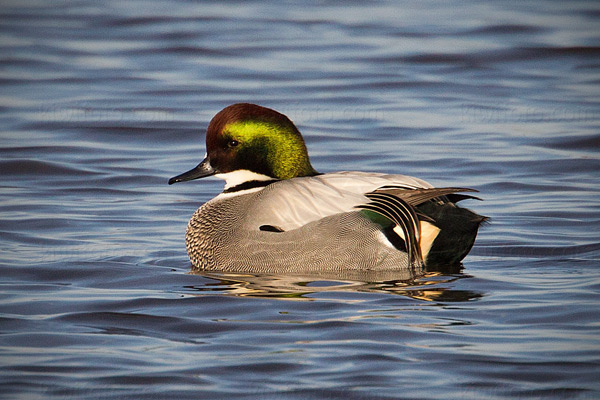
x: 403, y: 215
x: 455, y: 198
x: 414, y: 197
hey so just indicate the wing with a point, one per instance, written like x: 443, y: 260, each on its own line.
x: 292, y: 203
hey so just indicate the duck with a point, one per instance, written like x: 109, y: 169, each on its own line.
x: 277, y: 214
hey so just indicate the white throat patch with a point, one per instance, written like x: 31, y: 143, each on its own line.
x: 240, y: 176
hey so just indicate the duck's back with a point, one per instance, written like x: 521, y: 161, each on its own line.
x: 292, y: 203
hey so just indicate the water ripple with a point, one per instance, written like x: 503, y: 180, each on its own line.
x: 102, y: 103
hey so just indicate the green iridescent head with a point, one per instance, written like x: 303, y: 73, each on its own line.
x: 258, y: 139
x: 253, y: 138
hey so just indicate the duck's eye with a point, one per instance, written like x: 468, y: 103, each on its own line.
x: 233, y: 143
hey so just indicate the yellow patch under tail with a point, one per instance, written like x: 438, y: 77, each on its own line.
x: 428, y: 234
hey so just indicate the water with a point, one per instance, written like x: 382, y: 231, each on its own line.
x: 102, y: 102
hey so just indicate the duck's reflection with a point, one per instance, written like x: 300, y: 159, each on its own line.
x: 434, y: 286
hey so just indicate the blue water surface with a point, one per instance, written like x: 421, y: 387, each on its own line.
x: 102, y: 101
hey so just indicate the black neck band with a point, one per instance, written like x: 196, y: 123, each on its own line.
x: 249, y: 185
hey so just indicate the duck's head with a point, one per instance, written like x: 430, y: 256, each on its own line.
x: 246, y: 142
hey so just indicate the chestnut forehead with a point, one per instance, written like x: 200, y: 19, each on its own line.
x: 242, y: 112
